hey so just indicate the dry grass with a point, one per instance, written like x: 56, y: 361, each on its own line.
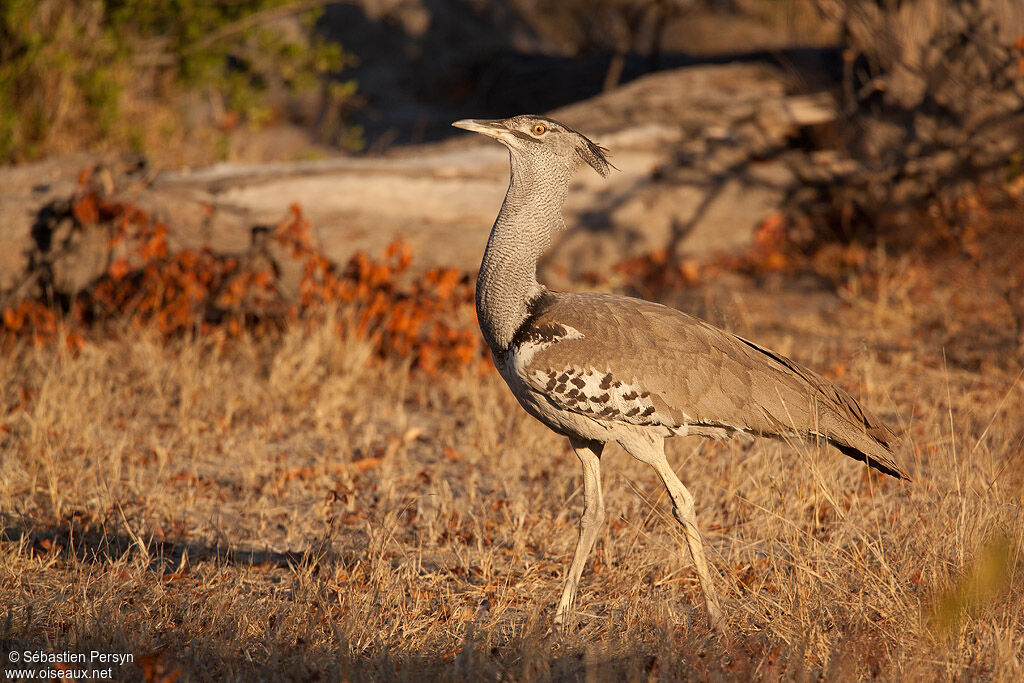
x: 268, y: 510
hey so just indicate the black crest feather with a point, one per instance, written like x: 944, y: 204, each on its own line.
x: 595, y: 155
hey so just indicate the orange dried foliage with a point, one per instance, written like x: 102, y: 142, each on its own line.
x: 185, y: 290
x: 771, y: 251
x: 419, y: 321
x: 770, y: 241
x: 656, y: 272
x: 159, y: 668
x: 426, y: 319
x: 31, y: 319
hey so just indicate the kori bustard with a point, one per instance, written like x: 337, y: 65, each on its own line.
x: 599, y: 368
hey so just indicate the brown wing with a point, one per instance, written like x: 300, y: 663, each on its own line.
x: 684, y: 371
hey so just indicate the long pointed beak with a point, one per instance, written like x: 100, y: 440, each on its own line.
x: 491, y: 128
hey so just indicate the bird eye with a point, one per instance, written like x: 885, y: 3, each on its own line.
x: 539, y: 129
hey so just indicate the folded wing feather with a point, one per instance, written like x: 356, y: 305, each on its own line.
x: 642, y: 363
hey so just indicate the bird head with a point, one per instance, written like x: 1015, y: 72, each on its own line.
x: 541, y: 141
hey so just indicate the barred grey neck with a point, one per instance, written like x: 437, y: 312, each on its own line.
x: 531, y: 212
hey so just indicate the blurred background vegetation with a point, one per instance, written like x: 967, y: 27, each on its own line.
x: 175, y: 79
x: 931, y: 92
x: 164, y: 77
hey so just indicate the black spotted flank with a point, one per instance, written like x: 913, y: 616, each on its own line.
x: 606, y: 382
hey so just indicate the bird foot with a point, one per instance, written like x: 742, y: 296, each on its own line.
x: 716, y: 621
x: 564, y: 617
x: 718, y: 626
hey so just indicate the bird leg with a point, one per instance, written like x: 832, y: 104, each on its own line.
x: 651, y: 450
x: 589, y: 453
